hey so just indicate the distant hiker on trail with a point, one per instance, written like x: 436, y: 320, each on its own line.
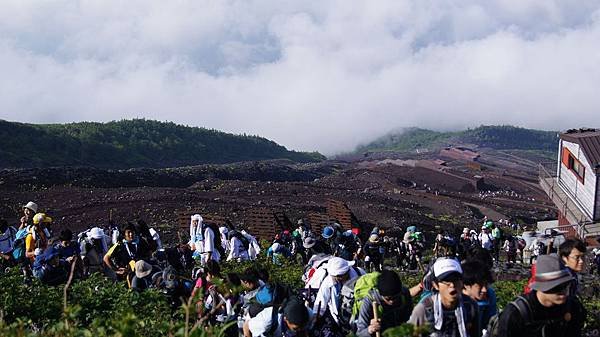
x: 486, y: 239
x: 373, y: 255
x: 277, y: 253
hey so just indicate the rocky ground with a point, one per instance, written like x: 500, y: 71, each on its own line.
x: 378, y: 191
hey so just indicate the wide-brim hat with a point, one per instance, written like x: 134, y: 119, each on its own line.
x: 142, y: 269
x: 549, y: 273
x: 32, y: 206
x: 309, y: 242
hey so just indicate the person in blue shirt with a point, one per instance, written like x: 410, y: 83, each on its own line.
x: 66, y: 247
x: 278, y: 253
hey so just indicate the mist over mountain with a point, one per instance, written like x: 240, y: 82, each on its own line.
x: 492, y: 136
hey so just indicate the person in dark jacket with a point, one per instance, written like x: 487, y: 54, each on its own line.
x: 394, y: 306
x: 549, y: 310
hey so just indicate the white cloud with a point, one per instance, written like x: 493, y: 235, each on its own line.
x: 320, y: 75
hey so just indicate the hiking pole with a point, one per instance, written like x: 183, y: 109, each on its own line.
x: 376, y: 316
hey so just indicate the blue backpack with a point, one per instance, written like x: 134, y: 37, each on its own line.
x: 18, y: 252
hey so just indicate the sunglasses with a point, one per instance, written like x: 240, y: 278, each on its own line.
x: 561, y: 289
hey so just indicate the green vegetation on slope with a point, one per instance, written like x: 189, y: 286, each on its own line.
x: 503, y: 137
x: 132, y: 143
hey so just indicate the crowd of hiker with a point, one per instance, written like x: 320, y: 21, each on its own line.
x: 348, y: 286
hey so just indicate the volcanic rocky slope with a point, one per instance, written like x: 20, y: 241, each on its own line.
x: 378, y: 192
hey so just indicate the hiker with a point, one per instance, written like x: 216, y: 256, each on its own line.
x: 29, y: 210
x: 209, y: 300
x: 548, y: 310
x: 142, y: 279
x: 278, y: 253
x: 206, y: 240
x: 251, y: 282
x: 448, y: 311
x: 238, y: 246
x: 327, y: 302
x: 225, y: 240
x: 145, y: 241
x: 50, y: 269
x: 67, y: 248
x: 477, y: 280
x: 572, y: 255
x: 254, y: 249
x: 121, y: 257
x: 348, y: 246
x: 510, y: 248
x: 38, y: 235
x: 497, y: 235
x: 7, y: 243
x: 295, y: 319
x: 393, y: 302
x: 596, y: 260
x: 373, y: 255
x: 93, y: 247
x: 486, y: 239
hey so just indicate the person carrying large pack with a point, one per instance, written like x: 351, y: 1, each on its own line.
x: 328, y: 301
x: 385, y: 296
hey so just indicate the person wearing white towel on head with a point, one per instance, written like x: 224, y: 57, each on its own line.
x: 254, y: 249
x: 447, y: 310
x: 328, y: 298
x: 202, y: 240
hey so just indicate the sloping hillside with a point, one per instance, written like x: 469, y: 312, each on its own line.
x: 497, y: 137
x: 132, y: 143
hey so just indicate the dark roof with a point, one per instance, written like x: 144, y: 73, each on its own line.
x: 589, y: 140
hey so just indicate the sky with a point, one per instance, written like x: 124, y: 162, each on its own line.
x: 311, y: 75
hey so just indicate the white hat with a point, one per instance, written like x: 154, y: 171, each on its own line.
x: 197, y: 217
x: 223, y: 230
x: 142, y: 269
x: 337, y: 266
x: 96, y: 233
x: 32, y: 206
x: 445, y: 266
x: 276, y: 246
x: 465, y: 230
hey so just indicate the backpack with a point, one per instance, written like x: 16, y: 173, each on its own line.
x: 243, y: 239
x: 470, y: 311
x: 524, y: 308
x: 352, y: 294
x: 269, y: 295
x: 18, y: 252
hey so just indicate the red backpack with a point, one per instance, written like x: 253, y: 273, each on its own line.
x: 527, y: 288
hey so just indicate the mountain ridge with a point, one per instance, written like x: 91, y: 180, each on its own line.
x: 132, y: 143
x: 499, y: 137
